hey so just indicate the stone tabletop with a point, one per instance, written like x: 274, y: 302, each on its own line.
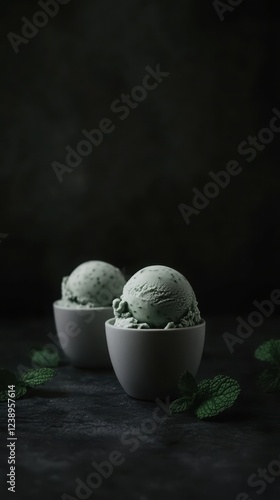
x: 81, y: 436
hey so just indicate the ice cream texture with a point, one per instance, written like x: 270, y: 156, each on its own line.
x: 157, y: 297
x: 92, y: 284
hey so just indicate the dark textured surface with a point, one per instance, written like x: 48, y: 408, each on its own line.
x: 82, y: 416
x: 121, y: 203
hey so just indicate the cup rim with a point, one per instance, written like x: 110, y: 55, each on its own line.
x: 150, y: 330
x: 83, y: 308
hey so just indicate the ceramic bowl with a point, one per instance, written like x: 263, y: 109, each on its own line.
x: 148, y: 363
x: 81, y: 334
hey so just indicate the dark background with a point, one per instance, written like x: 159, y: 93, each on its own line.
x: 121, y: 204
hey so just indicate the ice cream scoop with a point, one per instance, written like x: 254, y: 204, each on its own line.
x: 92, y: 284
x: 80, y: 315
x: 157, y: 297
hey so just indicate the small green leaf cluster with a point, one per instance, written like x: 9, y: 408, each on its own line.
x: 30, y: 379
x: 45, y: 358
x: 207, y: 398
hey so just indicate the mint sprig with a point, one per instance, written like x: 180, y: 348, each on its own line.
x: 269, y: 352
x: 188, y: 388
x: 37, y: 377
x: 208, y: 398
x: 20, y: 390
x: 269, y: 380
x: 215, y: 396
x: 30, y: 379
x: 182, y: 404
x: 187, y: 384
x: 45, y: 358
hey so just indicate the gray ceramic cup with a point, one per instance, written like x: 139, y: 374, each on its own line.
x: 149, y: 363
x: 81, y: 334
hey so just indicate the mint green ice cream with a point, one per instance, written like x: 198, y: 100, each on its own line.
x: 92, y: 284
x: 157, y: 297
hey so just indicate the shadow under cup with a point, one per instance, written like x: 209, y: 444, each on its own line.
x: 82, y: 337
x: 149, y: 363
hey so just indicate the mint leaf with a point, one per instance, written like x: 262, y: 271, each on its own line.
x: 187, y: 384
x: 6, y: 378
x: 269, y: 352
x: 187, y: 387
x: 203, y: 389
x: 45, y: 358
x: 269, y: 380
x: 20, y: 390
x: 216, y: 395
x: 182, y: 404
x: 37, y: 377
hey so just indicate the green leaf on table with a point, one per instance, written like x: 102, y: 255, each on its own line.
x: 269, y: 379
x: 20, y: 390
x: 6, y: 378
x: 215, y: 396
x: 182, y: 404
x: 269, y: 351
x: 37, y: 377
x: 45, y: 358
x: 187, y: 387
x: 187, y: 384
